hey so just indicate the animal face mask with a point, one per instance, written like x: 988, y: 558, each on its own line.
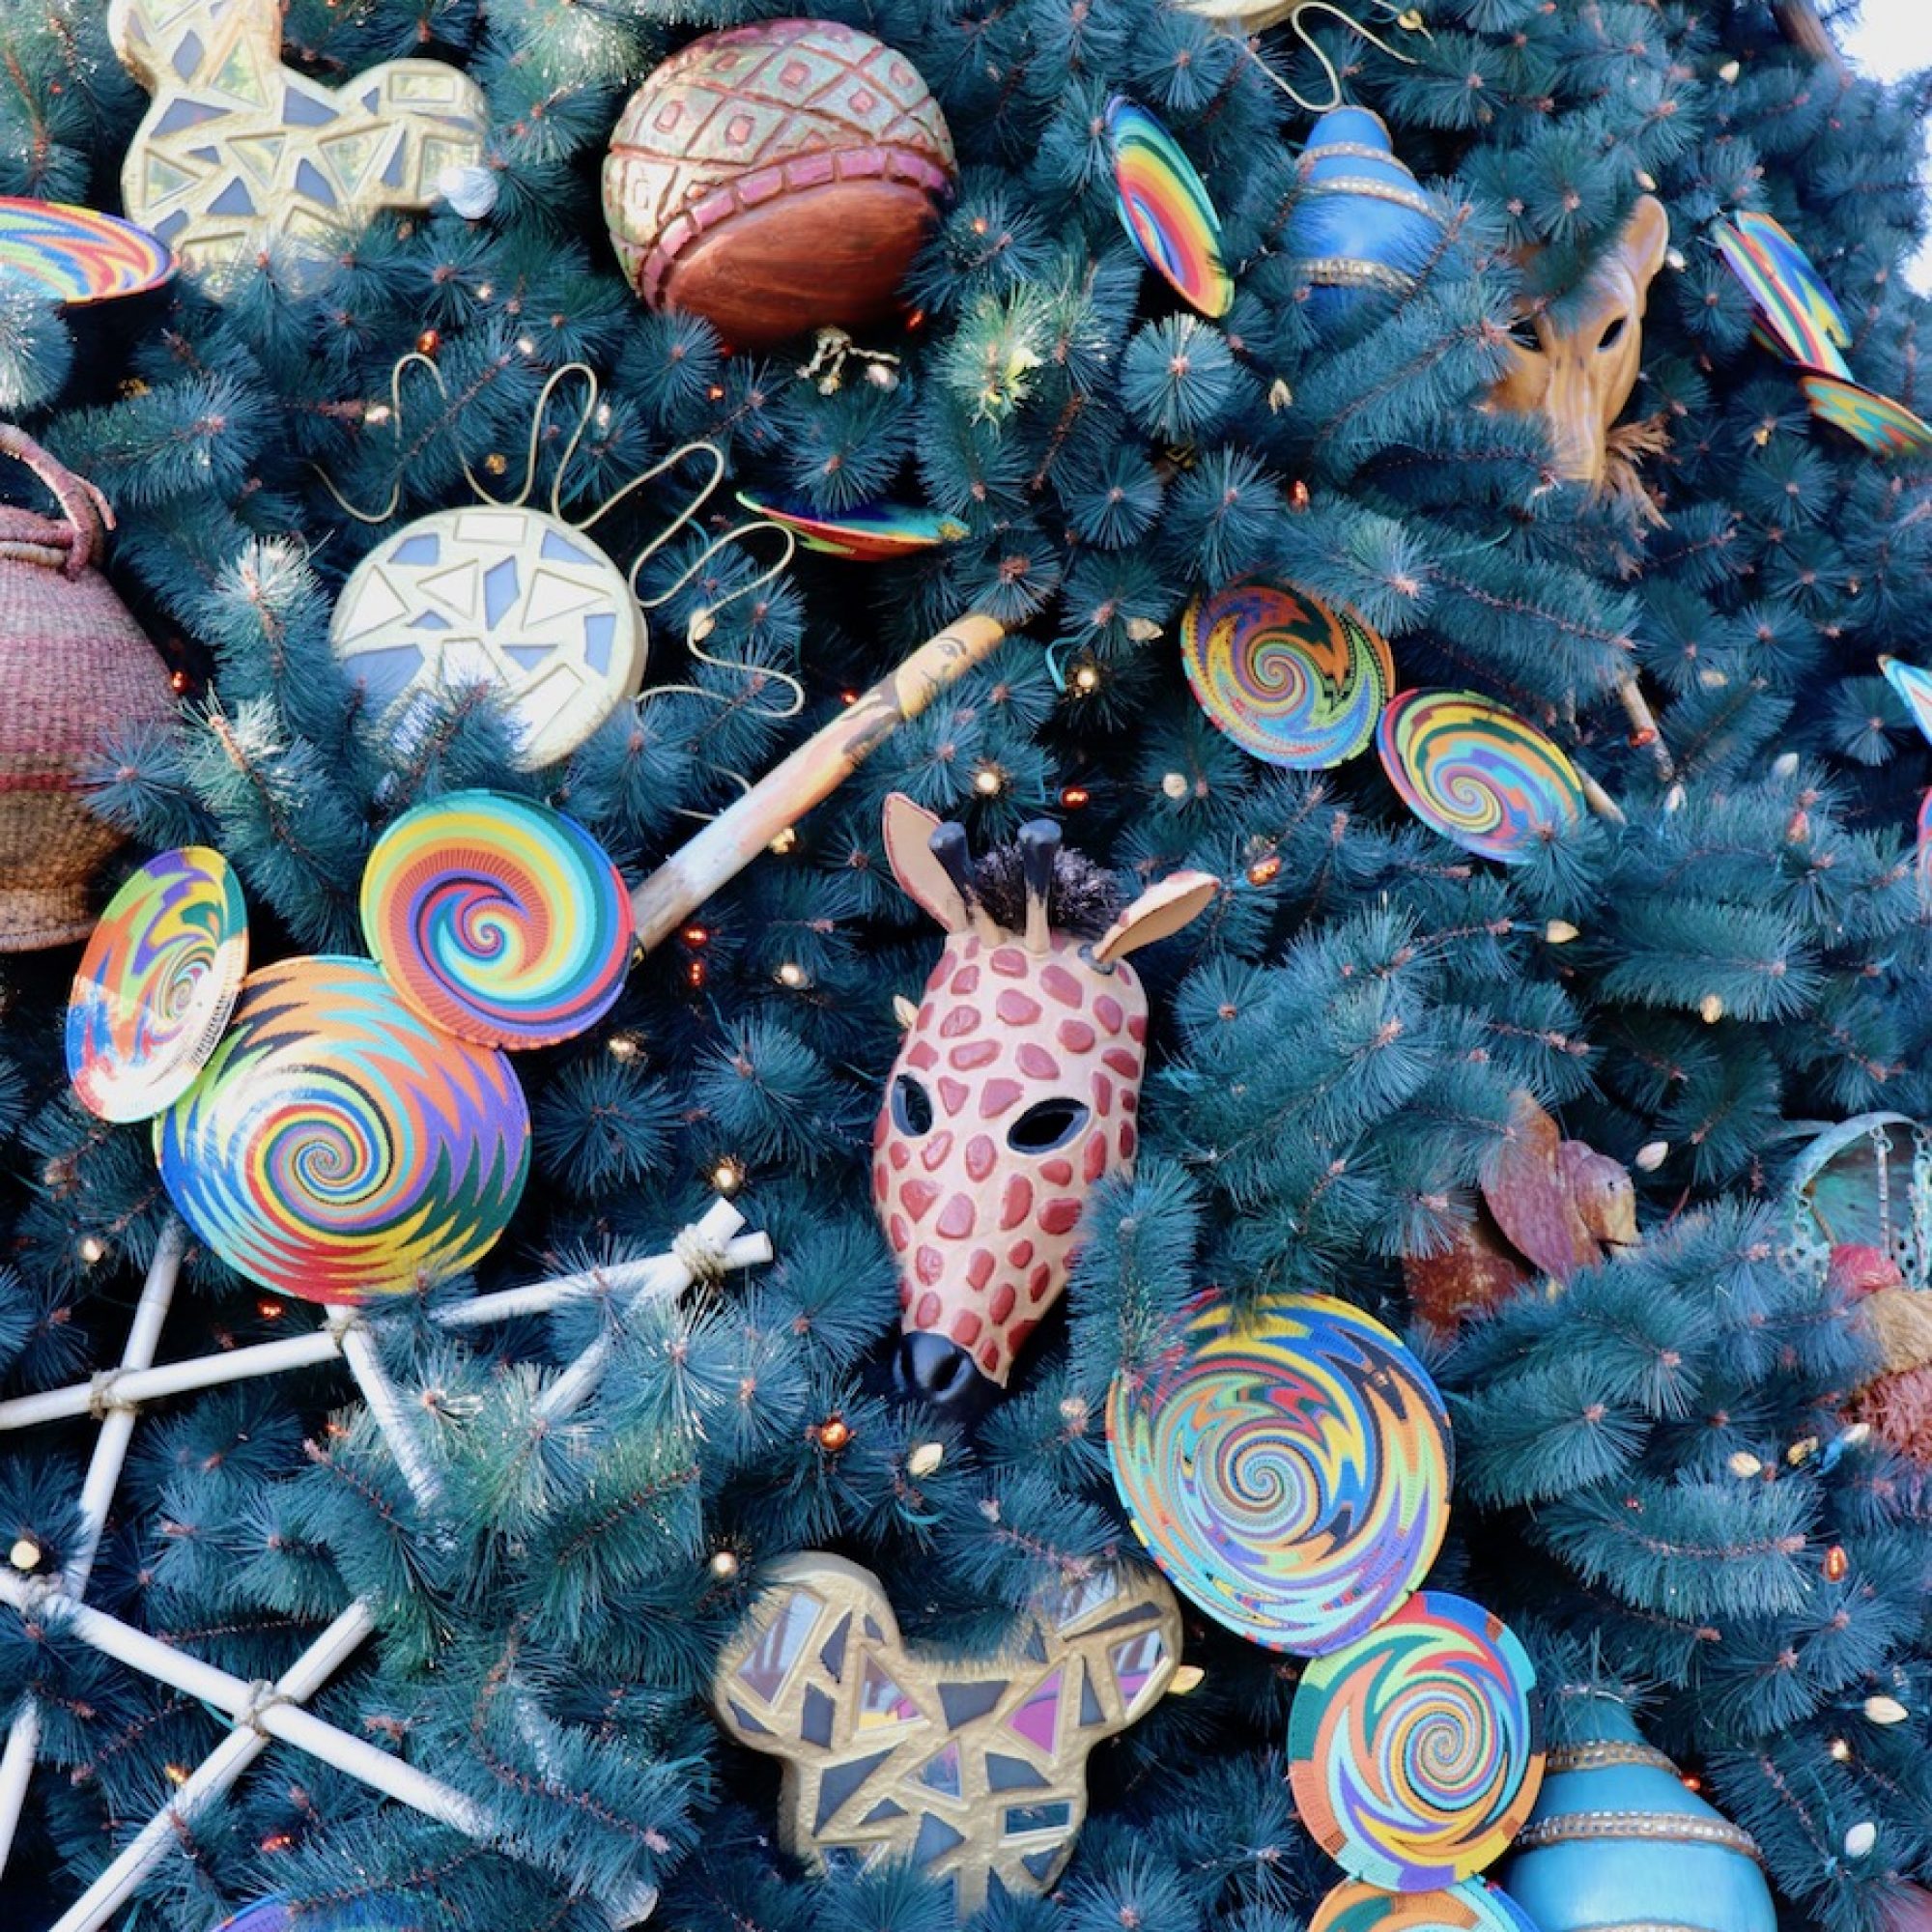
x: 1014, y: 1091
x: 1579, y: 378
x: 974, y: 1770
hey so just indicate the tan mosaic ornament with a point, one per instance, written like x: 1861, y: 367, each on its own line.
x: 239, y: 154
x: 975, y: 1770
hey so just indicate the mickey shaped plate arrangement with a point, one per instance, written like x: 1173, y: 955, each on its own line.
x: 1288, y: 1464
x: 339, y: 1129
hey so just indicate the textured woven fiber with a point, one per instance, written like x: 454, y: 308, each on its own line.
x: 74, y: 665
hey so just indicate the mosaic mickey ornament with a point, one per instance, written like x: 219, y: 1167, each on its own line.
x: 1014, y: 1091
x: 353, y: 1127
x: 239, y: 154
x: 976, y: 1772
x: 776, y: 178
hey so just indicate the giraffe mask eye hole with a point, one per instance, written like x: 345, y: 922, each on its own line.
x: 1613, y: 334
x: 912, y: 1107
x: 1047, y: 1124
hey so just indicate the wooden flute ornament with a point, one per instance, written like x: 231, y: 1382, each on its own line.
x: 736, y: 837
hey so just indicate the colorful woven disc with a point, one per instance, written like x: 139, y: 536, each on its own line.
x: 498, y: 920
x: 1288, y: 679
x: 1416, y: 1752
x: 78, y: 255
x: 157, y: 984
x: 1165, y: 209
x: 1476, y: 773
x: 1290, y: 1472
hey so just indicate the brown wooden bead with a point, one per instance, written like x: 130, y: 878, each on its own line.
x: 775, y: 178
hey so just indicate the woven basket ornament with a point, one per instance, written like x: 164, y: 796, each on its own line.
x: 74, y: 665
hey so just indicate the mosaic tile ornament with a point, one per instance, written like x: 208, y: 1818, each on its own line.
x: 778, y: 178
x: 157, y: 984
x: 1289, y: 680
x: 1477, y: 773
x: 499, y: 595
x: 1469, y: 1907
x: 974, y: 1770
x: 1165, y: 209
x: 1290, y: 1471
x: 78, y: 255
x: 239, y: 154
x: 337, y: 1148
x: 497, y: 918
x: 874, y: 533
x: 1415, y: 1754
x: 1913, y: 686
x: 1017, y: 1089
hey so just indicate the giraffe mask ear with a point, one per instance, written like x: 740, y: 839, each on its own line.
x: 908, y: 834
x: 1163, y: 909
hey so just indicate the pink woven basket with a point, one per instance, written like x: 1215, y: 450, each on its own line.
x: 74, y: 667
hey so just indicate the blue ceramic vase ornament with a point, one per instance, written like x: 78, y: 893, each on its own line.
x: 1616, y: 1839
x: 1362, y: 226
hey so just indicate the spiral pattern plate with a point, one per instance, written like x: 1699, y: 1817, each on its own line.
x: 1476, y: 773
x: 157, y: 984
x: 336, y: 1147
x: 497, y: 918
x: 1415, y: 1754
x: 1290, y: 680
x: 1291, y: 1471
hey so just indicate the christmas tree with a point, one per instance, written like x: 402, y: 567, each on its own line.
x: 1662, y: 1480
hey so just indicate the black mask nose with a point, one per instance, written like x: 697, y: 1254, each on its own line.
x: 931, y: 1368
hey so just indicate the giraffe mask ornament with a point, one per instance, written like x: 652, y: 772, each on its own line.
x: 1579, y: 377
x: 238, y: 152
x: 974, y: 1769
x: 1015, y: 1090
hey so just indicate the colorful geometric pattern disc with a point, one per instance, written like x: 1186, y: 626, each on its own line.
x: 498, y: 920
x: 1886, y: 426
x: 1416, y: 1752
x: 1476, y: 773
x: 157, y: 984
x: 337, y: 1148
x: 1469, y: 1907
x: 1290, y: 1473
x: 1288, y: 679
x: 500, y: 596
x: 1165, y: 209
x: 78, y: 255
x: 874, y: 533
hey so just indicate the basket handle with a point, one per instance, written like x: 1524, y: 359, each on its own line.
x: 85, y: 508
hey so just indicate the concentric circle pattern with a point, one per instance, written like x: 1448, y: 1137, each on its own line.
x: 157, y: 984
x: 1476, y: 773
x: 497, y: 918
x: 338, y: 1149
x: 1289, y: 680
x: 1290, y: 1473
x: 1415, y: 1754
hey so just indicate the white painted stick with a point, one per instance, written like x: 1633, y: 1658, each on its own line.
x: 386, y: 1405
x: 654, y: 1274
x: 97, y: 1496
x: 216, y: 1773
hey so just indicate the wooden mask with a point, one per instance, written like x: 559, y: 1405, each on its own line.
x: 1578, y: 377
